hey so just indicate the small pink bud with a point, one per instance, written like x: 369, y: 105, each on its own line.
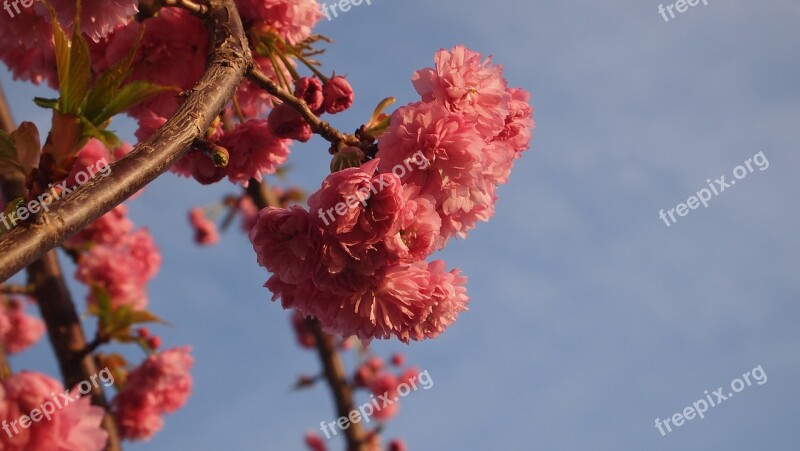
x: 143, y: 332
x: 310, y: 90
x: 154, y: 342
x: 398, y: 359
x: 284, y: 122
x: 338, y: 95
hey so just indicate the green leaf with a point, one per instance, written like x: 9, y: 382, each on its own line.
x: 29, y: 148
x: 45, y: 103
x: 107, y: 85
x: 130, y: 95
x: 62, y: 46
x: 144, y: 316
x: 80, y: 68
x: 108, y: 138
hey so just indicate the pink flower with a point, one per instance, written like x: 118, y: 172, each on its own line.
x: 310, y: 90
x: 390, y: 307
x: 518, y: 130
x: 291, y: 19
x: 98, y: 17
x: 339, y: 95
x: 464, y: 207
x: 72, y: 427
x: 23, y: 330
x: 385, y: 384
x: 161, y: 384
x: 254, y: 151
x: 417, y: 227
x: 26, y: 46
x: 205, y: 231
x: 287, y: 243
x: 358, y: 207
x: 107, y: 229
x: 468, y: 86
x: 441, y: 149
x: 122, y: 269
x: 285, y: 122
x: 253, y: 100
x: 448, y: 299
x: 172, y: 53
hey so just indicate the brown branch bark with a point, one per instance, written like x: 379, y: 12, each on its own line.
x: 64, y: 329
x: 332, y: 365
x: 228, y: 61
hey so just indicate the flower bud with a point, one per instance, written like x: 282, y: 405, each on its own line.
x: 310, y: 90
x: 338, y: 95
x: 286, y: 123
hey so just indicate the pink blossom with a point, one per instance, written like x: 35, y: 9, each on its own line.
x: 310, y: 90
x: 22, y: 330
x: 107, y: 229
x: 205, y: 230
x: 76, y: 427
x: 385, y: 384
x: 122, y: 269
x: 468, y: 86
x: 172, y: 53
x: 79, y: 426
x: 253, y: 100
x: 417, y: 225
x: 450, y: 145
x: 254, y: 151
x: 464, y: 207
x: 161, y: 384
x: 26, y: 46
x: 285, y: 122
x: 287, y: 242
x: 391, y: 307
x: 98, y: 17
x: 518, y: 130
x: 448, y: 299
x: 291, y: 19
x: 339, y: 95
x: 358, y: 207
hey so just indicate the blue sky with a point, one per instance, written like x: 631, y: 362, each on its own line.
x: 589, y: 317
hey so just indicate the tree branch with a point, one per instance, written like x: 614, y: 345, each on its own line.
x: 64, y: 329
x: 319, y: 126
x: 332, y: 365
x: 228, y: 60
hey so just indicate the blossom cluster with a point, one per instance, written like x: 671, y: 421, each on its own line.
x: 75, y: 427
x: 161, y: 384
x: 366, y: 273
x: 112, y: 255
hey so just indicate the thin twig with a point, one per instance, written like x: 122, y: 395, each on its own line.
x: 194, y: 8
x: 319, y: 126
x: 16, y: 289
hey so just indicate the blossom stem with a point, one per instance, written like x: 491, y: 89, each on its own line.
x: 319, y: 126
x: 16, y: 289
